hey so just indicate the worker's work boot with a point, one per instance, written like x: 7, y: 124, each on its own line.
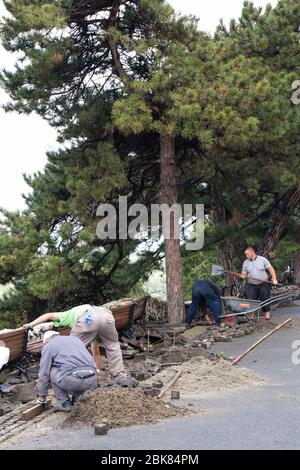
x: 125, y: 380
x: 66, y: 407
x: 74, y: 400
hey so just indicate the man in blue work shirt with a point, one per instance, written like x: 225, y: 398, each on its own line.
x: 206, y: 292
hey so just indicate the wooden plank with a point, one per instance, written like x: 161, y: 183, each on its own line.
x: 138, y: 312
x: 13, y: 357
x: 122, y: 319
x: 13, y: 336
x: 120, y: 314
x: 121, y: 325
x: 35, y: 348
x: 12, y: 341
x: 122, y: 308
x: 35, y: 344
x: 34, y: 411
x: 14, y: 344
x: 15, y: 352
x: 126, y: 318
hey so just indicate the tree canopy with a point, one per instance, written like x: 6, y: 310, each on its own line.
x: 149, y: 107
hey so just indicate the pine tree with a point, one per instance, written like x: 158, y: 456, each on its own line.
x: 273, y: 36
x: 77, y: 50
x: 51, y: 252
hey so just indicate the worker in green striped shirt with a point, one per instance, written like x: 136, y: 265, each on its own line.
x: 92, y: 324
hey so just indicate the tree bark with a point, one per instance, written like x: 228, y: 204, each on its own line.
x: 297, y: 269
x: 285, y: 209
x: 172, y: 246
x: 219, y: 217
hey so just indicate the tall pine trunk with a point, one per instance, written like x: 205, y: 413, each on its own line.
x: 172, y: 246
x: 286, y: 206
x: 297, y: 269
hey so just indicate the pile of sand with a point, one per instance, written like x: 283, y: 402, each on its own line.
x: 120, y: 407
x: 200, y: 375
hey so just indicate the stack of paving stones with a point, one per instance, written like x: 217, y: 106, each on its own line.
x: 226, y: 334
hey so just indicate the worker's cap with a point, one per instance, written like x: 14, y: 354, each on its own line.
x: 48, y: 335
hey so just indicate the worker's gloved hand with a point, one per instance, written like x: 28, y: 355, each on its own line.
x: 125, y: 380
x: 43, y: 327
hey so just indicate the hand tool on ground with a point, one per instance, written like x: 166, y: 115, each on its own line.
x: 170, y: 384
x: 239, y: 358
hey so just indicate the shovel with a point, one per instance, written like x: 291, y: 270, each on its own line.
x: 219, y: 271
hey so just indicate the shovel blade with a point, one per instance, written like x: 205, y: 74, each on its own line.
x: 217, y: 271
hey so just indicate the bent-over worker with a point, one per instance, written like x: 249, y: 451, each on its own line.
x: 90, y: 323
x: 257, y: 266
x: 205, y: 291
x: 68, y: 366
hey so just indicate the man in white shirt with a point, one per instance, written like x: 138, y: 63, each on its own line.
x: 257, y: 267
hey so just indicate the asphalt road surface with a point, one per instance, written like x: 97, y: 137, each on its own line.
x: 263, y: 417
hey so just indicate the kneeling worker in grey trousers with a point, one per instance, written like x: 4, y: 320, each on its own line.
x: 91, y: 324
x: 68, y: 367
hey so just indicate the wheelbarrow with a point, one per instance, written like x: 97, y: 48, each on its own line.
x: 244, y: 307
